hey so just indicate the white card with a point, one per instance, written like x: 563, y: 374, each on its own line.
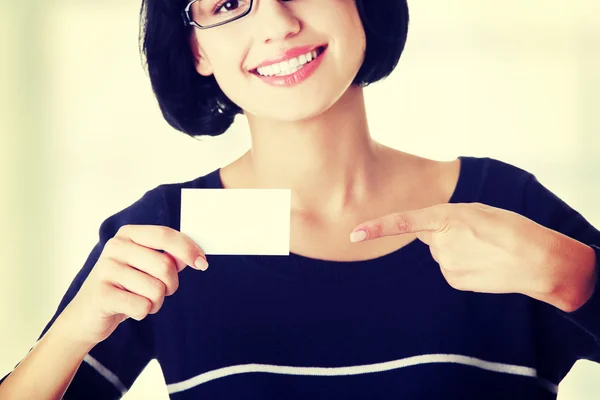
x: 237, y: 221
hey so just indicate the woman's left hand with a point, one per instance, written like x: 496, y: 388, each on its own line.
x: 485, y: 249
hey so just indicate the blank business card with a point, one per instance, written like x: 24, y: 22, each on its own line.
x: 237, y: 221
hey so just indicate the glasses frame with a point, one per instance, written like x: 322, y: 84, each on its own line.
x: 188, y: 21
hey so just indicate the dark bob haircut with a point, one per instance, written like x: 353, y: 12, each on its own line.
x: 195, y: 104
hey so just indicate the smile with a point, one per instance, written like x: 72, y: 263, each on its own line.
x: 291, y: 71
x: 290, y: 66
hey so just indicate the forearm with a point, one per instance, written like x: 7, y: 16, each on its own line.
x: 48, y: 369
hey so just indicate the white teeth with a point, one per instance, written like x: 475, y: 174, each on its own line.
x: 287, y: 67
x: 289, y: 72
x: 283, y: 65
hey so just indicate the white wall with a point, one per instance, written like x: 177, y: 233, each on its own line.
x: 82, y: 136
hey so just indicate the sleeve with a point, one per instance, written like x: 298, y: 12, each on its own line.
x: 562, y: 338
x: 111, y: 367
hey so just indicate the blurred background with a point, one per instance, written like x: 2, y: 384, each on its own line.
x: 82, y: 136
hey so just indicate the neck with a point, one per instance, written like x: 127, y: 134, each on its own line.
x: 330, y: 162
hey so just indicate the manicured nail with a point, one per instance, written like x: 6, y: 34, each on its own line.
x: 358, y: 236
x: 201, y: 263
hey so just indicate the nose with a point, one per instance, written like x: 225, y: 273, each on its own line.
x: 274, y: 20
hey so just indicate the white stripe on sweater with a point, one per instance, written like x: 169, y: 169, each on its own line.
x: 102, y: 370
x: 106, y: 373
x: 361, y: 369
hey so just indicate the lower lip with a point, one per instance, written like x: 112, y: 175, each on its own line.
x: 295, y: 78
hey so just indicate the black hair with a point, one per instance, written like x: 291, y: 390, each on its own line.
x: 195, y: 104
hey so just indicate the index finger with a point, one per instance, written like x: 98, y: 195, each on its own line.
x: 432, y: 218
x: 183, y: 249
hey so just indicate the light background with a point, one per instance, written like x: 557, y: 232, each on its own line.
x: 82, y: 136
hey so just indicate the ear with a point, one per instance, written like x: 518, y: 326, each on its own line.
x: 201, y: 63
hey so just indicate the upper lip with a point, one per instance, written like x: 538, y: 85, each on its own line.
x: 289, y: 53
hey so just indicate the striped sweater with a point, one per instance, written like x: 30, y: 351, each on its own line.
x: 293, y: 327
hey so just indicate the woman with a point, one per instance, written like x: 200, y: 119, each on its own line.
x: 481, y: 283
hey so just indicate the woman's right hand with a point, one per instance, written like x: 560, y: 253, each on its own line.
x: 130, y: 279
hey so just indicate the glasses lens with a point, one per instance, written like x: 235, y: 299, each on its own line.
x: 210, y: 12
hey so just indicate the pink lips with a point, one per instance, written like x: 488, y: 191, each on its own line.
x: 293, y: 79
x: 287, y: 54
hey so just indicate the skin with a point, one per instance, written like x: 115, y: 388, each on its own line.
x: 325, y: 137
x: 130, y: 280
x: 485, y: 249
x: 328, y: 140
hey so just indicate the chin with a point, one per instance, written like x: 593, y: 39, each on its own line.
x: 297, y: 109
x: 287, y: 111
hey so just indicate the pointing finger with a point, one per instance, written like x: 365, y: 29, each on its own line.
x: 428, y: 219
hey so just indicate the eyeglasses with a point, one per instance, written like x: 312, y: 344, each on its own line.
x: 204, y: 14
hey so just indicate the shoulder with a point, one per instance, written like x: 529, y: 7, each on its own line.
x: 493, y: 182
x: 503, y: 185
x: 157, y: 206
x: 169, y: 191
x: 492, y: 171
x: 467, y: 179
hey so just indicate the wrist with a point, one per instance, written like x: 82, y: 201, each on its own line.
x: 573, y: 273
x: 586, y: 285
x: 64, y: 337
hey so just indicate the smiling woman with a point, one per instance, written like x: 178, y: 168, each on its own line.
x: 202, y: 90
x: 471, y: 281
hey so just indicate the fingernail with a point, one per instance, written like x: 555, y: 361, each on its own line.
x: 201, y: 263
x: 358, y: 236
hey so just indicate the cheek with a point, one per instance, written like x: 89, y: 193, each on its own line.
x: 231, y: 78
x: 347, y: 29
x: 357, y: 31
x: 226, y: 64
x: 223, y: 49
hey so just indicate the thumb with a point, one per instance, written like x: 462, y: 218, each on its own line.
x: 425, y: 237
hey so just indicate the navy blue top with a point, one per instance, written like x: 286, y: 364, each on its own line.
x: 294, y: 327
